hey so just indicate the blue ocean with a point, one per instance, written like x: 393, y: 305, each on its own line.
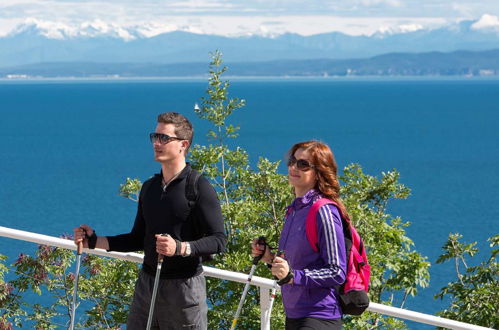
x: 66, y: 146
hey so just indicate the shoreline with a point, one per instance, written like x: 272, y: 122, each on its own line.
x: 248, y: 78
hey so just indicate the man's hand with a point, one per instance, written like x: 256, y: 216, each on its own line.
x: 80, y: 234
x: 165, y: 245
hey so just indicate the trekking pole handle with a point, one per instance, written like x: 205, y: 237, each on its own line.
x: 79, y: 246
x: 79, y: 249
x: 261, y: 241
x: 280, y: 254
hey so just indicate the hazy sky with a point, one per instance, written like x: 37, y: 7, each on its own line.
x: 239, y: 17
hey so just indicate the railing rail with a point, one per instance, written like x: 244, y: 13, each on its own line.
x: 264, y: 284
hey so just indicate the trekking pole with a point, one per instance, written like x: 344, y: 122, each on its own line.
x: 79, y: 249
x: 155, y: 288
x: 261, y: 241
x: 280, y: 253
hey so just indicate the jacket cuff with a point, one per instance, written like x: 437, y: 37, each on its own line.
x: 298, y: 277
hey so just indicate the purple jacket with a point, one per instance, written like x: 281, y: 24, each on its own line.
x: 312, y: 293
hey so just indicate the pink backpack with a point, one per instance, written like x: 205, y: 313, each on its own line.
x: 353, y: 293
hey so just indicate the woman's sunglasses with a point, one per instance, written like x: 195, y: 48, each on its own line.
x: 301, y: 164
x: 162, y: 138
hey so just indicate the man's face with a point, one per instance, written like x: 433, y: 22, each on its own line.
x: 172, y: 149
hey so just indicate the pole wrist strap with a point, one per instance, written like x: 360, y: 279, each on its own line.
x: 92, y: 240
x: 286, y: 279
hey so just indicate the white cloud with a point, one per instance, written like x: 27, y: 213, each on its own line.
x: 404, y: 28
x: 463, y: 10
x: 389, y: 3
x: 7, y: 25
x: 487, y: 22
x: 241, y: 17
x: 231, y: 26
x: 201, y: 5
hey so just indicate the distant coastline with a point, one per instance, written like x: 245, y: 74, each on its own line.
x: 247, y: 78
x: 466, y: 64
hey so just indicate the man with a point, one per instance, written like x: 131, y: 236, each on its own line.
x: 193, y: 231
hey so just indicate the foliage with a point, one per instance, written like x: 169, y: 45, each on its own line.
x: 104, y: 290
x: 474, y: 295
x: 108, y: 284
x: 10, y: 302
x: 253, y: 203
x: 45, y: 274
x: 130, y: 189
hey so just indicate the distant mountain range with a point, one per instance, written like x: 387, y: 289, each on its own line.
x: 459, y: 63
x: 35, y: 43
x: 38, y: 49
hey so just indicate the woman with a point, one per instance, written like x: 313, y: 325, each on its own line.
x: 308, y: 278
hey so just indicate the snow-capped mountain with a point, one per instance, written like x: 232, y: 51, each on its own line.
x: 94, y: 29
x: 38, y: 41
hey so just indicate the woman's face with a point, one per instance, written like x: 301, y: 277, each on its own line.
x: 300, y: 176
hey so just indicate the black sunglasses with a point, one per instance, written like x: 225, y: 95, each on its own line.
x: 301, y: 164
x: 162, y: 138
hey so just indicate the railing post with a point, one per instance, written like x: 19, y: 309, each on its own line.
x: 265, y: 309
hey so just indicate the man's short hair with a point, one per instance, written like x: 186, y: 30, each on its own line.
x: 183, y: 127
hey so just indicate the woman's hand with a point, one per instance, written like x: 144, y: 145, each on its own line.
x: 263, y: 250
x: 280, y: 268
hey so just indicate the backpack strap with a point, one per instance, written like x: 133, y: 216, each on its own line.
x: 191, y: 188
x: 311, y: 221
x: 191, y: 194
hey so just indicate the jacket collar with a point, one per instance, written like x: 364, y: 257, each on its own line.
x: 187, y: 169
x: 311, y: 196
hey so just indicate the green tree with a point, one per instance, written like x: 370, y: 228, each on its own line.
x: 474, y: 295
x: 105, y: 290
x: 252, y: 202
x: 11, y: 309
x: 45, y: 274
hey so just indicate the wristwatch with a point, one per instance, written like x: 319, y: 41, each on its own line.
x: 187, y: 250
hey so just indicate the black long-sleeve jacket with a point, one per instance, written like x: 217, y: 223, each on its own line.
x: 168, y: 212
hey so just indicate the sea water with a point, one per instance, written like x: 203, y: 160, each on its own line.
x: 66, y: 146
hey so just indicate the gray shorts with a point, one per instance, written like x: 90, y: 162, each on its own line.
x: 180, y: 304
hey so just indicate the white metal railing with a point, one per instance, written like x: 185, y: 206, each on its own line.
x: 265, y: 285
